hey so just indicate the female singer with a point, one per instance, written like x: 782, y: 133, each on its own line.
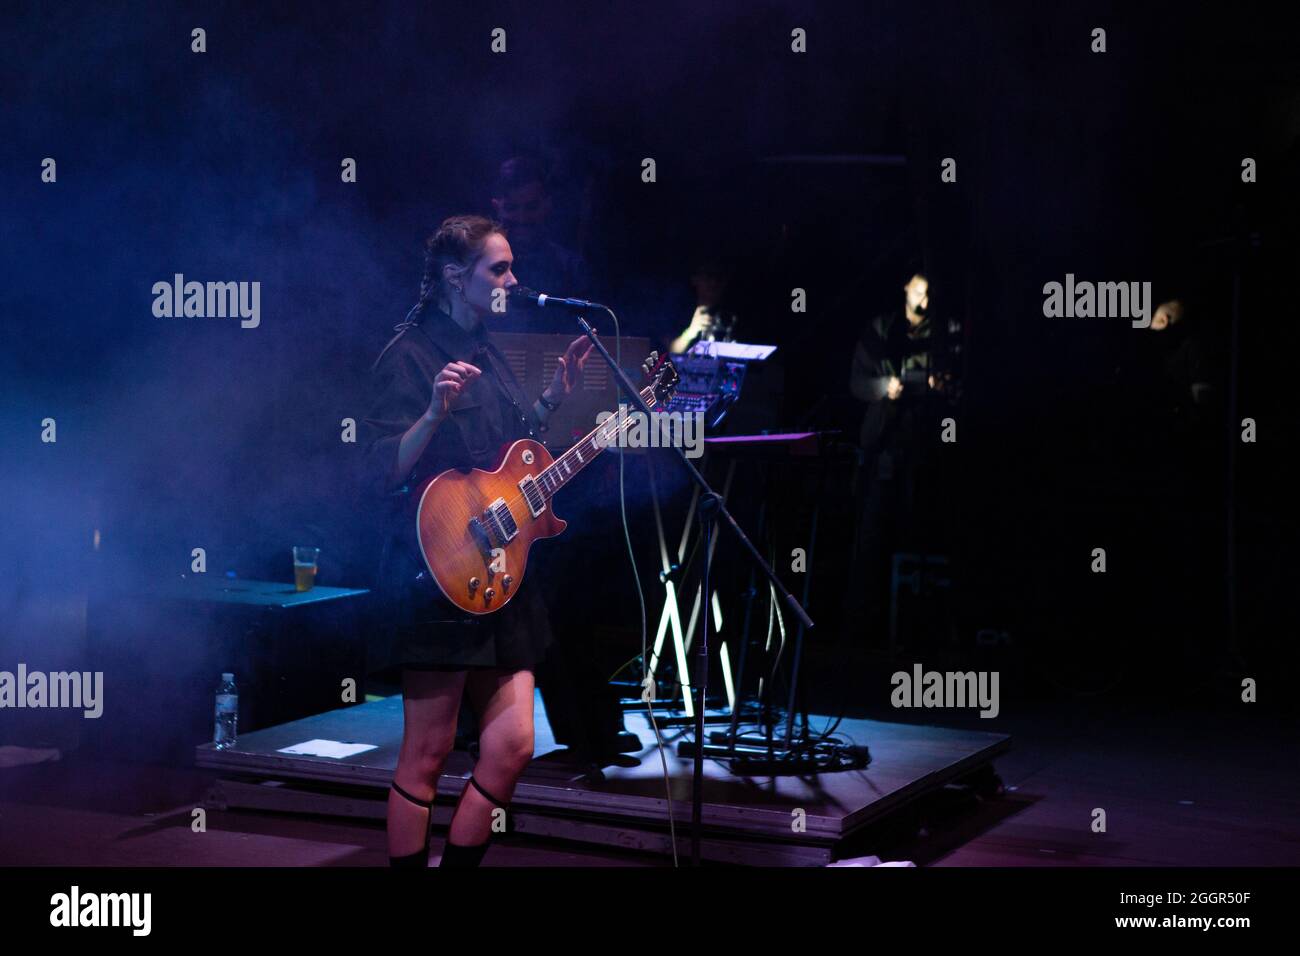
x: 445, y: 398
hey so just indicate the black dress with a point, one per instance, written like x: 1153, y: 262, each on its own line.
x: 419, y: 627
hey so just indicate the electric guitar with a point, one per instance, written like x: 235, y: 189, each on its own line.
x: 475, y: 527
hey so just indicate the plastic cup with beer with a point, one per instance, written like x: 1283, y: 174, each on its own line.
x: 304, y: 567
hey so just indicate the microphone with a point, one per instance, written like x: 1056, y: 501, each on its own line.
x: 544, y: 301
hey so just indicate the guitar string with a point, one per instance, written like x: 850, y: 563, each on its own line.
x: 549, y: 492
x: 603, y: 427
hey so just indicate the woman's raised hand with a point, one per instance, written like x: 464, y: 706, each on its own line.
x: 447, y: 385
x: 568, y: 371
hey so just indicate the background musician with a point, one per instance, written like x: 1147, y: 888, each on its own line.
x: 893, y: 372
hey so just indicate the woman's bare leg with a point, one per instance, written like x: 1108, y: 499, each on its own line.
x: 503, y: 701
x: 430, y: 706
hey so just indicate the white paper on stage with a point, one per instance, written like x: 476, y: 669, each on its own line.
x: 327, y: 748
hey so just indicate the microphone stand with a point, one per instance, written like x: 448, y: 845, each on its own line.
x: 711, y: 506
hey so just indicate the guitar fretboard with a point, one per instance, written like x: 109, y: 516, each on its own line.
x: 555, y: 477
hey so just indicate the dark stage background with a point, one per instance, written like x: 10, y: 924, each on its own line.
x: 818, y: 171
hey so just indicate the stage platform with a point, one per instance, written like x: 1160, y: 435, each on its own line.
x: 747, y: 819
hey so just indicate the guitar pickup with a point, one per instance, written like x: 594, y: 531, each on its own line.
x: 533, y: 495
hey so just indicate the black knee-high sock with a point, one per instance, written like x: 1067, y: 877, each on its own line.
x: 454, y: 855
x: 420, y: 858
x: 462, y: 857
x: 417, y: 860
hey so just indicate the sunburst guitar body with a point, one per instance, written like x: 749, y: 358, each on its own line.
x: 475, y: 528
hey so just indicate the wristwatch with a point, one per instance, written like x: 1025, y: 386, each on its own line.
x: 548, y: 405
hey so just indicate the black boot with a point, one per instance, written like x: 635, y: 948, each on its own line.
x: 420, y: 858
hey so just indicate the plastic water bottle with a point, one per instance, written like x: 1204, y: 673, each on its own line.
x: 227, y: 713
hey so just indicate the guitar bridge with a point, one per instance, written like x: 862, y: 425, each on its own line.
x: 501, y: 522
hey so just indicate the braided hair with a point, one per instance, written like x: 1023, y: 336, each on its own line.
x: 458, y: 241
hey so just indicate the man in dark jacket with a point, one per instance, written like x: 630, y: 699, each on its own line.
x: 893, y: 372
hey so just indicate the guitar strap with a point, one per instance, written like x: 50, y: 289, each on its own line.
x: 505, y: 380
x: 486, y: 351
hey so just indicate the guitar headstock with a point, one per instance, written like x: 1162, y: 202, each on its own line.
x: 663, y: 376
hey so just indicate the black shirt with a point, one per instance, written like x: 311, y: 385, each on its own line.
x: 492, y: 411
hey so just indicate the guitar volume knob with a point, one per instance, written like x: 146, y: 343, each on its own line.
x: 473, y: 584
x: 507, y: 581
x: 490, y: 593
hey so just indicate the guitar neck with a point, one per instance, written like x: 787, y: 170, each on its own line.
x: 564, y: 468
